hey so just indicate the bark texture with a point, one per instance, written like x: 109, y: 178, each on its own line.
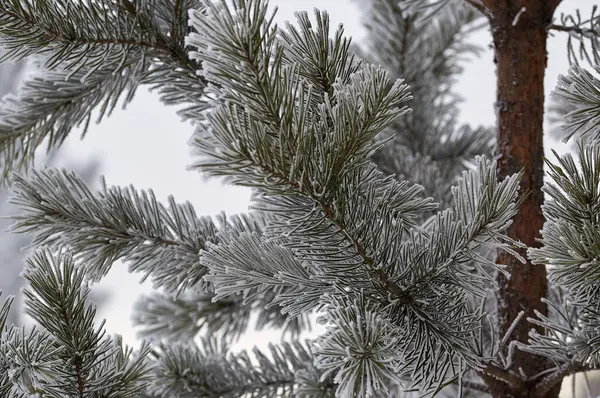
x: 519, y: 30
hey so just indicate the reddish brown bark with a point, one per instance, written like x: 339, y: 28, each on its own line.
x: 520, y: 56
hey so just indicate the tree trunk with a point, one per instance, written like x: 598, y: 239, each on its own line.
x: 519, y: 35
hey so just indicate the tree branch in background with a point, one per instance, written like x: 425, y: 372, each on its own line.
x: 428, y: 146
x: 585, y: 32
x: 582, y: 31
x: 90, y: 65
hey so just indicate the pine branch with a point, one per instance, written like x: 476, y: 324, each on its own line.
x: 181, y: 318
x: 173, y: 72
x: 51, y: 106
x: 65, y: 315
x: 359, y: 341
x: 329, y: 207
x: 265, y: 273
x: 580, y: 90
x: 115, y: 223
x: 428, y: 56
x: 28, y: 361
x: 438, y: 261
x: 556, y: 111
x: 331, y: 59
x: 581, y: 31
x: 89, y: 35
x: 570, y: 242
x: 78, y: 43
x: 584, y: 32
x: 184, y: 317
x: 264, y: 105
x: 62, y: 211
x: 78, y: 360
x: 257, y: 268
x: 186, y: 371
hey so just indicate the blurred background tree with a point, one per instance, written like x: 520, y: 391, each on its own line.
x: 13, y: 245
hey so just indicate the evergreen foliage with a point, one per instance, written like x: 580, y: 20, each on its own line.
x: 11, y: 73
x: 401, y: 281
x: 429, y: 147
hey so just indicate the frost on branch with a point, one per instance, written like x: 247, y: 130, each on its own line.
x: 571, y: 250
x: 335, y: 222
x: 580, y: 91
x: 298, y: 119
x: 361, y: 350
x: 67, y: 355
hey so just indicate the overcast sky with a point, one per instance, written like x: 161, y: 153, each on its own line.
x: 146, y: 145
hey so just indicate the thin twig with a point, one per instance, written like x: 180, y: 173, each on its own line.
x: 583, y: 32
x: 549, y: 382
x: 506, y: 376
x: 511, y: 329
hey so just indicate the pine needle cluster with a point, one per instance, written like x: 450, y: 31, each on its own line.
x: 342, y: 221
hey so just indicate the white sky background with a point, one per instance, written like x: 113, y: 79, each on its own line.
x: 146, y: 145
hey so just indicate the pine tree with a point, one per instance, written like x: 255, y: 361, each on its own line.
x: 403, y: 285
x: 12, y: 244
x: 427, y: 146
x: 12, y: 257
